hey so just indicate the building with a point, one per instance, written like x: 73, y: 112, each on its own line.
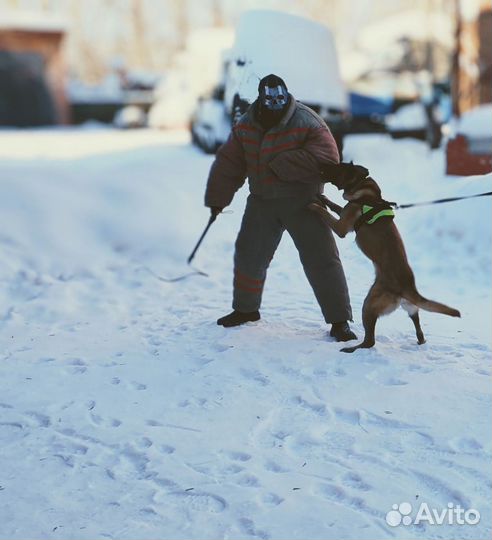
x: 470, y: 151
x: 32, y: 77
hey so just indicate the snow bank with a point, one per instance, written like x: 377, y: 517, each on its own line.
x: 477, y: 123
x: 407, y: 117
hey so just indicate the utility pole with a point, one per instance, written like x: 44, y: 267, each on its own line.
x: 455, y: 73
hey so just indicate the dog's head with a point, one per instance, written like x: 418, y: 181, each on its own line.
x: 344, y: 176
x: 353, y: 180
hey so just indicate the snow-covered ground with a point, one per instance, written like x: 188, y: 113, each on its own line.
x: 126, y: 412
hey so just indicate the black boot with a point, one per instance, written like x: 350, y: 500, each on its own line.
x: 238, y: 317
x: 341, y: 331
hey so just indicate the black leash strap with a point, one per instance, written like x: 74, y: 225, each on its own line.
x: 438, y: 201
x: 195, y: 272
x: 213, y: 217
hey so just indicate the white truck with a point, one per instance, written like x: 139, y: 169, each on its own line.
x: 297, y: 49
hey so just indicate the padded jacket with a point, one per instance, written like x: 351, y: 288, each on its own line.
x: 282, y: 162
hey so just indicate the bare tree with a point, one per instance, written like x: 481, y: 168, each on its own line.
x: 181, y: 18
x: 140, y: 51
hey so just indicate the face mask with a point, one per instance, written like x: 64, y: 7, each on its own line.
x: 274, y: 98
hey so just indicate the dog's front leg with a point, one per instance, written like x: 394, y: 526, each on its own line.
x: 330, y: 204
x: 340, y: 226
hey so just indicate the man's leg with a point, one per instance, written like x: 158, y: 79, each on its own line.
x: 319, y: 256
x: 258, y: 238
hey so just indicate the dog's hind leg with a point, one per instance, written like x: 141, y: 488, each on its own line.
x: 378, y: 302
x: 413, y: 313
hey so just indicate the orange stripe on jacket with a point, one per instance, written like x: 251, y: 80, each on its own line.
x: 284, y: 146
x: 250, y: 141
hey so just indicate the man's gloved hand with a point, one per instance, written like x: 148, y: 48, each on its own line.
x: 215, y: 211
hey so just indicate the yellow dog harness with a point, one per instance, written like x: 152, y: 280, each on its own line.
x: 370, y: 214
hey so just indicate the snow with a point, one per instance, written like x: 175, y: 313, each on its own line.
x: 130, y: 116
x: 476, y: 123
x: 31, y: 20
x: 126, y: 412
x: 409, y: 117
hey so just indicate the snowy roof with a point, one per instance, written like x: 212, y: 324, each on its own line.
x: 276, y: 42
x: 35, y: 21
x: 477, y: 122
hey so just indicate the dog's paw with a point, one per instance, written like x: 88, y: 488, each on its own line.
x: 348, y: 349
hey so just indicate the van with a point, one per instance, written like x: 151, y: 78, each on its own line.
x: 297, y: 49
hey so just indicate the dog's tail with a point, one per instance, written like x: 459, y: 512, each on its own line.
x: 430, y: 305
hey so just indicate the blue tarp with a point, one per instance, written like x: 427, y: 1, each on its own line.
x: 362, y: 105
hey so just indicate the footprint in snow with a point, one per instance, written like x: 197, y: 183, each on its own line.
x: 145, y: 442
x: 153, y: 423
x: 247, y: 480
x: 272, y: 466
x: 41, y: 420
x: 393, y: 381
x: 166, y: 449
x: 103, y: 422
x: 5, y: 406
x: 193, y: 500
x: 219, y: 347
x: 255, y: 375
x: 466, y: 445
x: 350, y: 416
x: 248, y: 527
x: 317, y: 408
x: 137, y: 386
x: 272, y: 499
x: 355, y: 481
x: 418, y: 367
x: 238, y: 456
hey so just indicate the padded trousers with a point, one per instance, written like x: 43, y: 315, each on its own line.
x: 263, y: 224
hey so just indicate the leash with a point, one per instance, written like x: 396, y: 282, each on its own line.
x: 439, y: 201
x: 195, y: 271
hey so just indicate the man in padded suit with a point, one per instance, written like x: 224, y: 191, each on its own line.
x: 281, y: 146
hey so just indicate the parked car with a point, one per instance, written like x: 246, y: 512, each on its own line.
x: 210, y: 123
x: 297, y: 49
x: 368, y: 113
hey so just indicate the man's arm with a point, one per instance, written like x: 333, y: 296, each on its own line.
x: 304, y: 164
x: 227, y: 173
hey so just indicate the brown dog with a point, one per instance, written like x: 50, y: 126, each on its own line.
x: 377, y: 236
